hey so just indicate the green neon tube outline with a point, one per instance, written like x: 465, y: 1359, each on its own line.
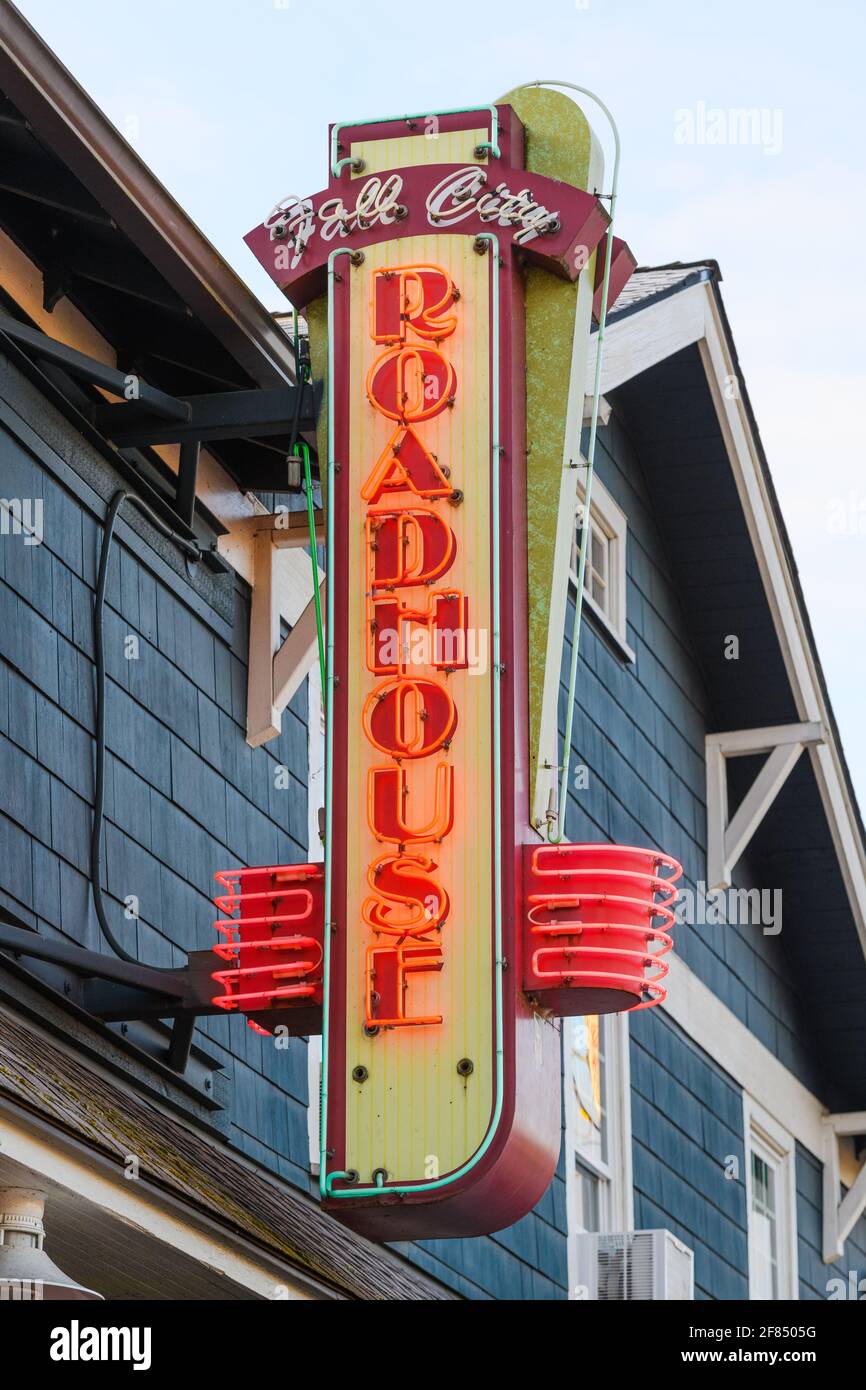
x: 329, y: 737
x: 590, y: 453
x: 326, y: 1179
x: 492, y: 144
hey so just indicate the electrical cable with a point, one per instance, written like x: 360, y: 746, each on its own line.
x: 193, y: 552
x: 302, y: 374
x: 300, y: 378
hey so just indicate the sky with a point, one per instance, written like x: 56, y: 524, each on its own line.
x: 228, y: 101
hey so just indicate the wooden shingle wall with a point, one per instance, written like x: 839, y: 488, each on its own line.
x: 185, y: 795
x: 639, y: 729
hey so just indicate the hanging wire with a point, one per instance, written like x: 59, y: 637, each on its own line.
x: 193, y: 553
x: 302, y: 375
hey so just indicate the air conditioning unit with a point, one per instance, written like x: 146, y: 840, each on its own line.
x: 634, y: 1265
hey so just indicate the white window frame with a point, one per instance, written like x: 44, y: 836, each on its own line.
x: 773, y: 1143
x: 612, y: 521
x: 616, y: 1189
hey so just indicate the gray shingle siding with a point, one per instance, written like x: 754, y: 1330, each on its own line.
x: 185, y: 795
x: 640, y: 728
x: 815, y: 1276
x: 687, y: 1122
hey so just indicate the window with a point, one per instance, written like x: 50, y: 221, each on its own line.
x: 587, y: 1205
x: 604, y: 577
x: 771, y: 1206
x: 597, y: 1128
x: 596, y: 577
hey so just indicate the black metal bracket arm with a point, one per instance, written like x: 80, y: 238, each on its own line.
x: 218, y: 415
x: 96, y: 373
x: 116, y: 990
x: 146, y: 416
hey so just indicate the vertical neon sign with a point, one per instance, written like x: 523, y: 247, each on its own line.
x: 442, y: 1111
x: 411, y: 715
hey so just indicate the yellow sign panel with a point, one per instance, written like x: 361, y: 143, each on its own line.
x: 411, y: 1109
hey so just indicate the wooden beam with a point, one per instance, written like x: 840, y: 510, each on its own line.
x: 831, y: 1249
x: 263, y: 720
x: 717, y: 816
x: 286, y: 529
x: 736, y: 743
x: 298, y: 653
x: 757, y: 802
x: 852, y: 1123
x: 841, y: 1215
x: 727, y: 842
x: 852, y: 1206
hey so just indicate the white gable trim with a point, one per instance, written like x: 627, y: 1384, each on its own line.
x: 788, y: 618
x: 753, y: 1067
x: 634, y: 345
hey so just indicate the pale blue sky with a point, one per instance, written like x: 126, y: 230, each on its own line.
x: 229, y: 100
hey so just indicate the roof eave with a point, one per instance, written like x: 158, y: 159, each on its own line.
x: 64, y: 117
x: 709, y: 329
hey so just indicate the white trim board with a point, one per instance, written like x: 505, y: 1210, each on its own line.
x: 633, y: 345
x: 717, y: 1031
x: 764, y: 1136
x: 788, y: 618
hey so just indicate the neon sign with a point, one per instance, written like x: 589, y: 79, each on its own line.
x: 295, y: 221
x: 409, y: 716
x: 441, y: 1072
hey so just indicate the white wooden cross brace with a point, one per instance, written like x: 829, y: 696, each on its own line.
x: 841, y: 1214
x: 727, y: 840
x: 276, y: 669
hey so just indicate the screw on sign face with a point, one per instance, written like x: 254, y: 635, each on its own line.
x: 441, y: 1081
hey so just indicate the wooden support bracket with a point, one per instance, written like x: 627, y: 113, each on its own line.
x: 276, y: 668
x: 841, y: 1214
x: 727, y: 840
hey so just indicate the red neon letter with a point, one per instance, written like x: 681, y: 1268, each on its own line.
x: 409, y: 718
x: 387, y: 796
x: 407, y: 902
x: 411, y: 383
x: 404, y: 547
x: 406, y: 466
x: 404, y: 635
x: 417, y: 296
x: 387, y: 985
